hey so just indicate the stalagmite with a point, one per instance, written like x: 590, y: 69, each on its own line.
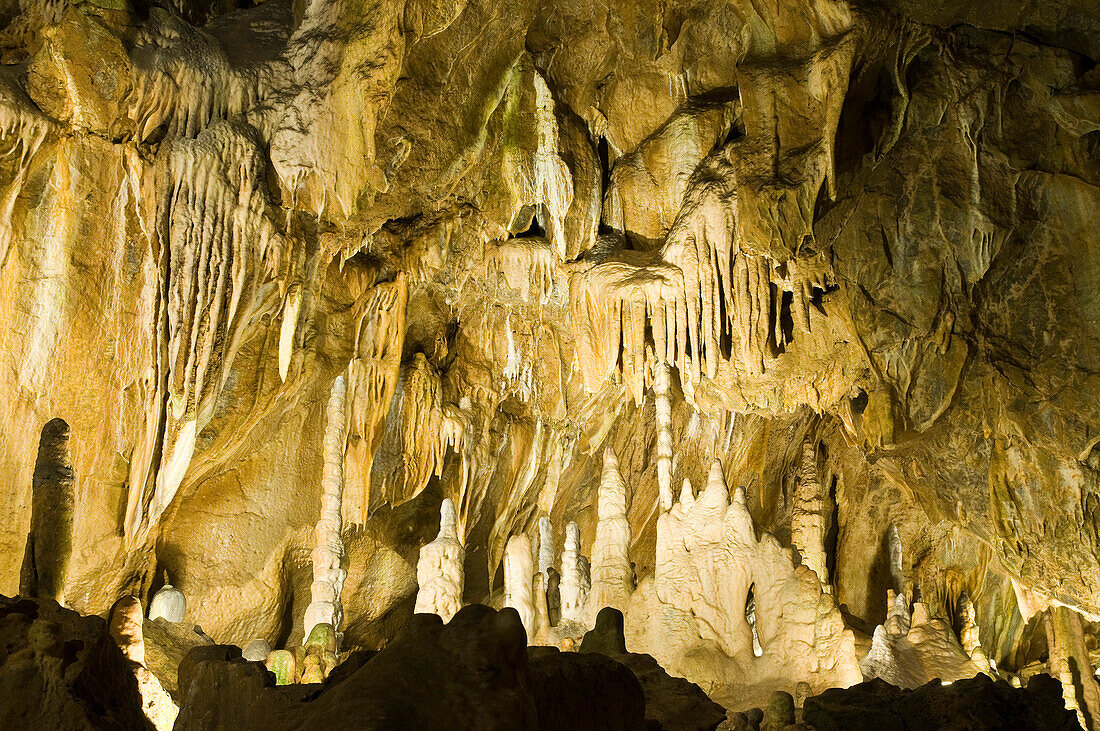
x: 256, y: 650
x: 910, y: 648
x: 50, y: 541
x: 612, y: 574
x: 168, y: 604
x: 518, y: 575
x: 575, y: 578
x: 1070, y: 663
x: 969, y: 635
x: 125, y: 621
x: 546, y: 545
x: 664, y: 433
x: 725, y: 609
x: 439, y: 571
x: 328, y: 576
x: 808, y: 521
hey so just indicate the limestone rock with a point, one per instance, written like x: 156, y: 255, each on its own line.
x: 62, y: 669
x: 978, y: 702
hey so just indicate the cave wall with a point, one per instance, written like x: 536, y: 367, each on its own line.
x: 876, y: 226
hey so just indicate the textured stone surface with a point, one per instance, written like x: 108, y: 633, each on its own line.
x: 522, y: 233
x: 977, y: 703
x: 63, y: 670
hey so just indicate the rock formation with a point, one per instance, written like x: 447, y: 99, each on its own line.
x: 50, y: 541
x: 612, y: 574
x: 293, y: 272
x: 518, y: 581
x: 692, y: 615
x: 439, y: 569
x: 575, y: 577
x: 911, y: 648
x: 169, y: 604
x: 328, y: 554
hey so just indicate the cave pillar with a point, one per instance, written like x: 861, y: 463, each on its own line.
x: 1069, y: 662
x: 664, y: 434
x: 808, y: 520
x: 328, y: 576
x: 612, y: 574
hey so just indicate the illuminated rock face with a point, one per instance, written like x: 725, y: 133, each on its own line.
x: 556, y: 259
x: 692, y: 615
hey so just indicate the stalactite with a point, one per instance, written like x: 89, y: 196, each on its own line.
x: 373, y: 376
x: 897, y: 567
x: 808, y: 520
x: 183, y: 80
x: 575, y: 576
x: 328, y: 576
x: 23, y: 131
x: 292, y: 305
x: 526, y: 265
x: 518, y: 577
x: 429, y: 429
x: 612, y: 573
x: 440, y: 568
x: 50, y: 542
x: 215, y: 242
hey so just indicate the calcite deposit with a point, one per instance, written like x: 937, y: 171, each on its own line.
x: 773, y: 325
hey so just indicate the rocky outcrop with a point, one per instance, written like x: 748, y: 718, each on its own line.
x: 978, y: 703
x: 63, y: 670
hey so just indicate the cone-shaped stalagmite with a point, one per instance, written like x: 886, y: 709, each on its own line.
x: 50, y: 542
x: 612, y: 574
x: 439, y: 571
x: 808, y: 520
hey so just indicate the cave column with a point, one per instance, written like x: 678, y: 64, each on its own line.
x: 664, y: 433
x: 1069, y: 662
x: 328, y: 576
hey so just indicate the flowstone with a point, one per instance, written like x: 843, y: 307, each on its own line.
x: 691, y: 616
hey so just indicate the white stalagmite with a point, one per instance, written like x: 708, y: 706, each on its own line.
x: 694, y: 614
x: 439, y: 572
x: 169, y: 604
x: 664, y: 433
x: 575, y: 580
x: 546, y: 545
x: 808, y: 522
x: 612, y: 574
x: 328, y: 576
x: 518, y: 576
